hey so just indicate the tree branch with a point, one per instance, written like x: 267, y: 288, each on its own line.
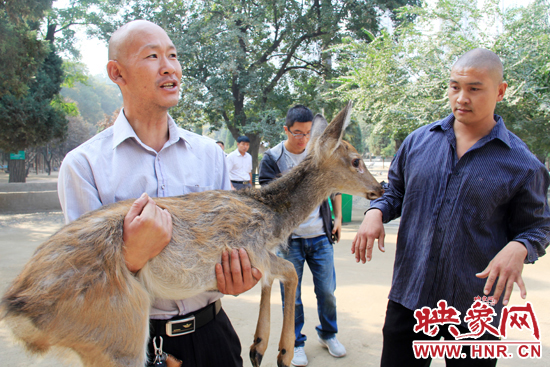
x: 290, y: 55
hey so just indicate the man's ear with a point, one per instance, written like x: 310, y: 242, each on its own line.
x: 115, y: 73
x: 501, y: 90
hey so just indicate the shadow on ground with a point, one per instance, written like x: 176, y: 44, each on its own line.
x: 362, y: 291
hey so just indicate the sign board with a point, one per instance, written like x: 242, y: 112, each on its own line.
x: 20, y: 155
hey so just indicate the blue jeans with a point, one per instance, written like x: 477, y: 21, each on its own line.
x: 319, y: 254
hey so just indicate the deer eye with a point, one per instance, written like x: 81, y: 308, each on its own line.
x: 355, y: 162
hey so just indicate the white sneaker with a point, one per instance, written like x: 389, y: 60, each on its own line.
x: 335, y: 348
x: 300, y: 358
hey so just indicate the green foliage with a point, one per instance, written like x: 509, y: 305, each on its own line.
x: 354, y: 137
x: 75, y: 72
x: 377, y: 143
x: 95, y: 98
x: 388, y: 151
x: 68, y: 108
x: 33, y: 120
x: 399, y: 80
x: 241, y: 59
x: 60, y: 24
x: 525, y: 47
x: 21, y: 53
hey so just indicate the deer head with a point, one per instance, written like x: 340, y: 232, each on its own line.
x: 340, y: 159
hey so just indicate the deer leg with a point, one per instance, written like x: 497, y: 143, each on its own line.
x: 261, y: 336
x: 287, y: 275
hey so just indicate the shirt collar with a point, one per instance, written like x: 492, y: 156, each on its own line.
x: 122, y: 130
x: 499, y: 131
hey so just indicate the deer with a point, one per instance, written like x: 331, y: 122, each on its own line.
x: 76, y: 292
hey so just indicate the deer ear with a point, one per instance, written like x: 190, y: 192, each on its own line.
x: 319, y: 126
x: 335, y: 131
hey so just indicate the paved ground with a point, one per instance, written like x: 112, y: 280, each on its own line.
x: 32, y: 177
x: 361, y: 295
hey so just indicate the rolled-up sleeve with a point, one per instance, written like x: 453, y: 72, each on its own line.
x: 391, y: 202
x: 530, y: 216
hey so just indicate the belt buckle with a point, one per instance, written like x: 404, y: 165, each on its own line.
x: 180, y: 327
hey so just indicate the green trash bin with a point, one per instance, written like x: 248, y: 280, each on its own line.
x: 346, y: 208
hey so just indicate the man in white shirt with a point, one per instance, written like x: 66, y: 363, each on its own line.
x: 146, y: 155
x: 239, y: 164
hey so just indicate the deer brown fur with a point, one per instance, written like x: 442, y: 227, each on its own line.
x: 76, y: 292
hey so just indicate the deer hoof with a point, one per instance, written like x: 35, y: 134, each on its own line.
x: 255, y: 357
x: 280, y: 362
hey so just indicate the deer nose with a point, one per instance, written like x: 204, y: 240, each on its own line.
x: 371, y: 195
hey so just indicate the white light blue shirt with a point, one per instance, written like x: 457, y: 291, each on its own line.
x: 115, y: 165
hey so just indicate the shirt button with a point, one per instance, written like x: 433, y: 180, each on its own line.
x: 162, y: 187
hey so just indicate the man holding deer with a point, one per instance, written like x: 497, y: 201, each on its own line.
x: 146, y: 155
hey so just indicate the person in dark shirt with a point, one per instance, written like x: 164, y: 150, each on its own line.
x: 473, y: 208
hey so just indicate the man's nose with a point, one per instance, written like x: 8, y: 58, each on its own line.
x: 462, y: 98
x: 167, y: 67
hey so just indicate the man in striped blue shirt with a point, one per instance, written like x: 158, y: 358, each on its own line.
x: 473, y: 208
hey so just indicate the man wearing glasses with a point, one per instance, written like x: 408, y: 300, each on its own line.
x: 312, y: 241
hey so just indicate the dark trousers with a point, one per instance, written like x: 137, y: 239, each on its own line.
x: 398, y: 333
x: 216, y: 344
x: 240, y: 186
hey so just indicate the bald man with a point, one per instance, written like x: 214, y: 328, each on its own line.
x: 144, y: 155
x: 473, y: 208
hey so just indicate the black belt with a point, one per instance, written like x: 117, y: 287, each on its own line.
x: 240, y: 182
x: 181, y: 325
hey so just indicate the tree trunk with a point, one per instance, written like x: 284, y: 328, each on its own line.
x: 254, y: 149
x: 17, y: 170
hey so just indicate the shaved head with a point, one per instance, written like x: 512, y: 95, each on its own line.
x: 482, y: 59
x: 123, y: 37
x: 143, y: 62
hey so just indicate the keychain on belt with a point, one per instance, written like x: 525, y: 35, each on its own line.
x: 160, y: 356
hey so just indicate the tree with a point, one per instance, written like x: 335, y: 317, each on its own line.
x: 30, y: 115
x: 32, y: 120
x: 524, y: 45
x: 21, y: 53
x: 354, y: 137
x: 240, y: 58
x: 399, y: 80
x: 94, y: 97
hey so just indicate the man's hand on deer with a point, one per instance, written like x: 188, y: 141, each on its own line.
x: 147, y: 231
x: 235, y: 274
x: 371, y: 229
x: 77, y: 279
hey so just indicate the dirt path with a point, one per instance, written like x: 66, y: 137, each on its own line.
x: 361, y: 296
